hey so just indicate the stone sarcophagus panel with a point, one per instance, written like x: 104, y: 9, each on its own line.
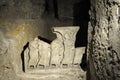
x: 58, y: 60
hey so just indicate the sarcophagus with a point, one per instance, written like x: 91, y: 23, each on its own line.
x: 59, y: 58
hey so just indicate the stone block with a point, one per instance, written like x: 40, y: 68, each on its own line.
x: 58, y: 60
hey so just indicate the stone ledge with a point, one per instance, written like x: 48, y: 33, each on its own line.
x: 55, y: 74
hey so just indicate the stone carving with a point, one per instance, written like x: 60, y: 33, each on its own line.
x: 78, y: 56
x: 42, y: 57
x: 33, y: 54
x: 69, y: 35
x: 57, y: 48
x: 44, y: 54
x: 37, y: 54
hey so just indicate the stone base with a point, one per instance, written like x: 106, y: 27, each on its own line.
x: 55, y: 74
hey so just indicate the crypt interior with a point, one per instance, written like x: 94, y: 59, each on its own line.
x: 59, y: 40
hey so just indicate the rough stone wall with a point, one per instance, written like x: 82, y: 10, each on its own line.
x: 66, y: 8
x: 28, y: 9
x: 104, y: 40
x: 20, y: 22
x: 13, y: 38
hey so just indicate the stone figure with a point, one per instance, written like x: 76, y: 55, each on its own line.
x: 33, y: 53
x: 69, y: 35
x: 44, y: 54
x: 57, y: 48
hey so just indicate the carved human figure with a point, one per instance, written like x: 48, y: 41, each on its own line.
x: 57, y: 48
x: 44, y: 54
x: 69, y: 36
x: 33, y: 53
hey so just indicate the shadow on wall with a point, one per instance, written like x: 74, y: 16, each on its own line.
x: 81, y: 18
x: 52, y: 7
x: 22, y: 56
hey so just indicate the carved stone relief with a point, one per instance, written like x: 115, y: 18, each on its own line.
x: 60, y: 57
x: 57, y: 48
x: 69, y: 35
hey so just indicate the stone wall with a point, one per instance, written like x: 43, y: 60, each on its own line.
x: 104, y: 40
x: 21, y: 9
x: 20, y: 22
x: 14, y: 35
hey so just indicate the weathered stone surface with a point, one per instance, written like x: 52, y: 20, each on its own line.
x: 66, y: 41
x: 44, y: 54
x: 33, y: 52
x: 43, y: 59
x: 57, y: 48
x: 39, y: 55
x: 78, y: 55
x: 20, y: 22
x: 104, y: 41
x: 28, y: 9
x: 14, y: 34
x: 69, y: 35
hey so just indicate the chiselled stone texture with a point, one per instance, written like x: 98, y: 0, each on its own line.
x: 104, y: 40
x: 59, y: 58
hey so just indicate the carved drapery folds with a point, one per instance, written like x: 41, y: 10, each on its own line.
x: 58, y: 57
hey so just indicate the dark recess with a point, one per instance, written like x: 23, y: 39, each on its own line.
x: 48, y: 8
x: 81, y: 19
